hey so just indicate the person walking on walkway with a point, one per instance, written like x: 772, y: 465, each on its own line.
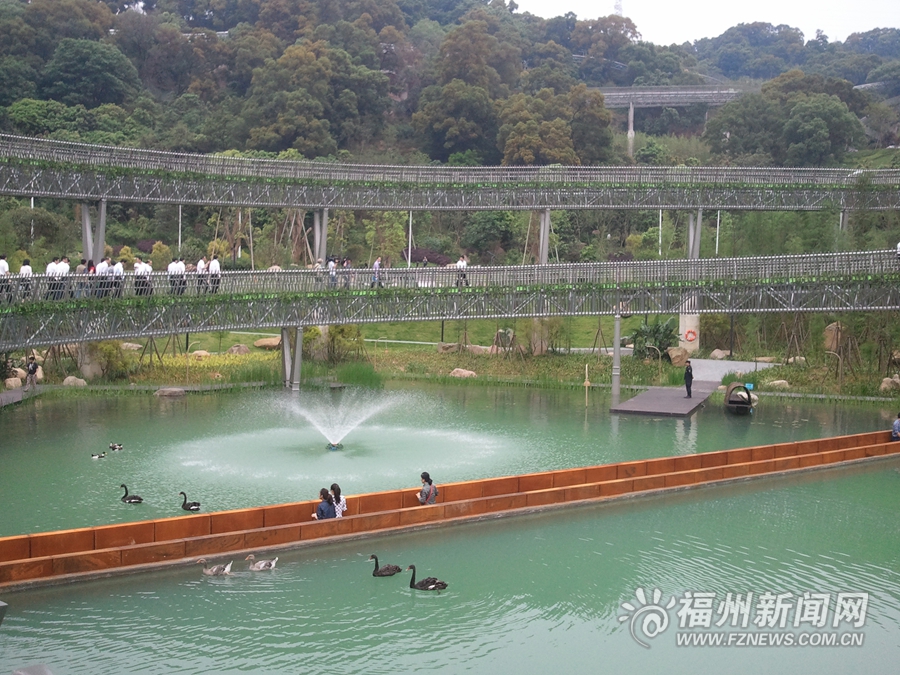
x: 215, y: 276
x: 461, y: 279
x: 376, y: 274
x: 31, y: 374
x: 5, y: 292
x: 688, y: 377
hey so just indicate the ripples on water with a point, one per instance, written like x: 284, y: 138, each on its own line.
x: 527, y: 594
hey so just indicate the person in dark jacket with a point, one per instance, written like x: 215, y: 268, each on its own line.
x: 688, y: 378
x: 326, y: 506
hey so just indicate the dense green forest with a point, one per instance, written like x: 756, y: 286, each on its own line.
x: 465, y: 82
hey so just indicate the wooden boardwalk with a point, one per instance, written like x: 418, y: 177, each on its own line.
x: 10, y: 396
x: 667, y: 401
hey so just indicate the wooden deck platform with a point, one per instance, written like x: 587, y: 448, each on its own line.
x: 667, y: 401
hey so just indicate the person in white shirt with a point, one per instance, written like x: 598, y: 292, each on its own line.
x: 62, y: 271
x: 461, y: 272
x: 202, y: 281
x: 118, y: 273
x: 52, y: 283
x: 100, y: 285
x: 5, y: 293
x: 214, y: 274
x: 181, y: 282
x: 332, y: 272
x: 172, y: 271
x: 25, y: 273
x: 141, y: 282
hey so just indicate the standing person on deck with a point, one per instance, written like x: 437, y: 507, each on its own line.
x: 688, y: 377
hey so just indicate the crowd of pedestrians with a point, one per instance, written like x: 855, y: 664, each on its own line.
x: 105, y: 279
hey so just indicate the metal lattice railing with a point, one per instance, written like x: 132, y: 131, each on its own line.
x: 675, y: 274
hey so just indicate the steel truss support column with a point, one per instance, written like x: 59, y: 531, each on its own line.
x: 617, y: 361
x: 320, y: 233
x: 689, y: 324
x: 93, y: 245
x: 87, y: 235
x: 544, y: 240
x: 631, y: 129
x: 291, y: 357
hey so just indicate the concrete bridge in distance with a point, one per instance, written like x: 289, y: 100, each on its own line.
x: 667, y: 97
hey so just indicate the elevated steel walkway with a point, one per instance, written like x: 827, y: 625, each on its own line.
x: 40, y: 168
x: 42, y: 311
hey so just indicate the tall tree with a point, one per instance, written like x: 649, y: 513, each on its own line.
x: 89, y: 73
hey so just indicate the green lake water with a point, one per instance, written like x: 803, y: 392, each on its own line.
x: 232, y: 451
x: 527, y: 594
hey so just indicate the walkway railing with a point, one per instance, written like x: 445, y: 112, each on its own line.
x: 748, y: 272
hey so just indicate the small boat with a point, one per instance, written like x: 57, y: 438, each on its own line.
x: 738, y: 399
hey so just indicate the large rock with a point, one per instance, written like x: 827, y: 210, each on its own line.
x: 797, y: 360
x: 273, y: 342
x: 764, y: 359
x: 719, y: 354
x: 131, y: 347
x: 12, y: 383
x: 200, y: 354
x: 478, y: 349
x: 447, y: 347
x: 889, y: 385
x: 779, y: 384
x: 72, y: 381
x: 462, y: 372
x: 833, y: 336
x: 678, y: 355
x: 238, y: 349
x: 169, y: 392
x: 18, y: 372
x: 88, y: 363
x: 39, y: 375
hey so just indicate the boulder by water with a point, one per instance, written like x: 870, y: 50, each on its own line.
x: 238, y: 349
x: 268, y: 343
x: 889, y: 384
x: 462, y: 372
x: 169, y: 392
x: 72, y: 381
x: 12, y: 383
x: 719, y: 354
x: 678, y: 356
x: 779, y: 384
x: 200, y: 354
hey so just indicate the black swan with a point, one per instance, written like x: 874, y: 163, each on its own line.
x: 386, y: 571
x: 427, y: 584
x: 130, y: 499
x: 189, y: 506
x: 215, y: 570
x: 260, y: 565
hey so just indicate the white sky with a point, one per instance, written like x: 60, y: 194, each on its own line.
x: 664, y: 22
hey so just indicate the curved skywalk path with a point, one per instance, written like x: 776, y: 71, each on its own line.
x: 42, y: 168
x: 41, y: 311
